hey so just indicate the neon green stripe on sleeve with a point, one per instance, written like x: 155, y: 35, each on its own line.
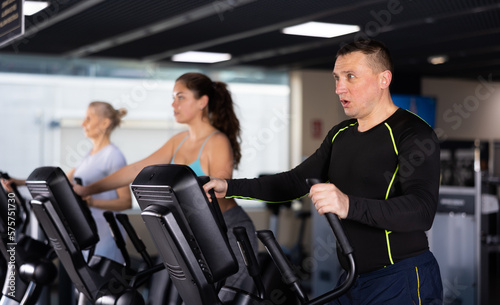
x: 342, y: 129
x: 388, y: 190
x: 392, y: 138
x: 389, y: 245
x: 267, y: 201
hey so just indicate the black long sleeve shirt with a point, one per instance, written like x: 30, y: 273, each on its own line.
x: 390, y: 174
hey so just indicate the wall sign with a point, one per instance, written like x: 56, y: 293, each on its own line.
x: 11, y: 20
x: 317, y: 128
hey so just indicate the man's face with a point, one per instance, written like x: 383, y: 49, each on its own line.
x: 357, y: 85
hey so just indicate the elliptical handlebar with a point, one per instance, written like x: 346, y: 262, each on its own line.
x: 347, y: 251
x: 336, y: 226
x: 117, y: 235
x: 286, y: 270
x: 282, y: 263
x: 24, y: 213
x: 250, y: 259
x: 134, y: 238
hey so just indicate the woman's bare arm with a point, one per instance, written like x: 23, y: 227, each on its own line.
x: 126, y: 175
x: 123, y: 202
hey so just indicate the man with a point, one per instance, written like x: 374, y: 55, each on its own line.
x: 382, y: 174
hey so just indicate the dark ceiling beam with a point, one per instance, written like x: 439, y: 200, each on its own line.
x: 462, y: 60
x: 467, y: 66
x: 214, y: 8
x: 266, y: 54
x: 56, y: 18
x: 463, y: 36
x: 419, y: 57
x: 314, y: 62
x: 258, y: 31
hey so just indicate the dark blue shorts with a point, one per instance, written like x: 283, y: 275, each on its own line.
x: 414, y: 280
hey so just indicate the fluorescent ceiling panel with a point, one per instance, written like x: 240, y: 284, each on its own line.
x: 33, y: 7
x: 201, y: 57
x: 321, y: 29
x: 437, y: 59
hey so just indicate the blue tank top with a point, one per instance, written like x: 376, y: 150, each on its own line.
x: 196, y: 165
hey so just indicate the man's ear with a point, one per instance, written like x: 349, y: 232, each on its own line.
x: 385, y: 79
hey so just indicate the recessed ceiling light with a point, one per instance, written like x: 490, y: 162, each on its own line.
x: 33, y: 7
x: 201, y: 57
x: 321, y: 29
x: 437, y: 59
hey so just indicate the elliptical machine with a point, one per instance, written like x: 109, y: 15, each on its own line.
x: 68, y: 224
x: 29, y: 266
x: 190, y: 235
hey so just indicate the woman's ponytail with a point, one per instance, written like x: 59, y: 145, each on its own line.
x: 222, y: 116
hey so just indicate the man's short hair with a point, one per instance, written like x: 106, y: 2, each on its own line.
x: 379, y: 56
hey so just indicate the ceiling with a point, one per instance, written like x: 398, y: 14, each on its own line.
x: 467, y: 31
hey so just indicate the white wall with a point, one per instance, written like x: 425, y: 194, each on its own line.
x: 466, y: 109
x: 41, y: 117
x: 313, y: 93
